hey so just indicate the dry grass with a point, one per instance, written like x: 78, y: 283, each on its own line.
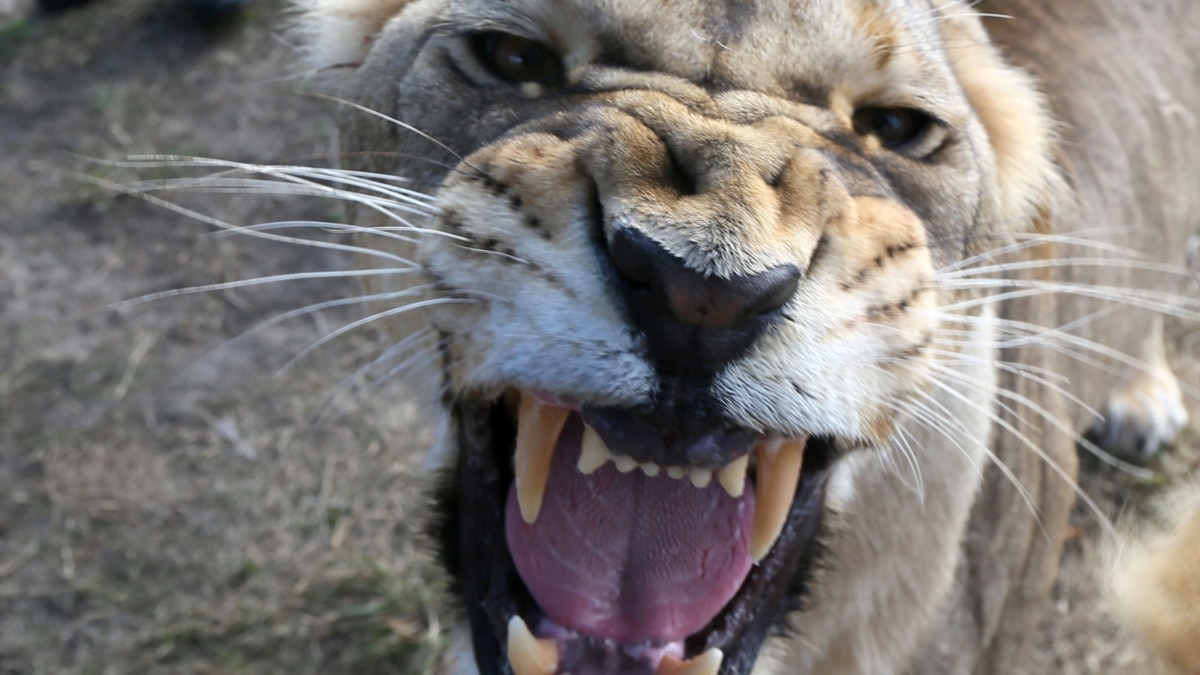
x: 169, y: 505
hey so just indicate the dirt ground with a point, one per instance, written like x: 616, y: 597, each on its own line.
x: 169, y: 501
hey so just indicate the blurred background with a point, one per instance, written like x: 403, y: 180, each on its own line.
x: 170, y: 502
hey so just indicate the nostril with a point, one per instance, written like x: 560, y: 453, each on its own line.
x: 773, y: 288
x: 632, y: 254
x: 659, y: 284
x: 774, y: 178
x: 680, y: 177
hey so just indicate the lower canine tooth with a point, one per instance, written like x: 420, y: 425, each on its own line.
x: 708, y: 663
x: 538, y: 427
x: 529, y: 655
x: 779, y: 464
x: 594, y: 453
x: 733, y: 476
x: 700, y: 477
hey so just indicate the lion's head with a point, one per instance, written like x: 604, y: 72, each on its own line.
x: 682, y: 298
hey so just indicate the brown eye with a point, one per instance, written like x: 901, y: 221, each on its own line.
x: 516, y: 59
x: 896, y: 128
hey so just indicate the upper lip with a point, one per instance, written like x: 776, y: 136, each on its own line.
x: 477, y: 552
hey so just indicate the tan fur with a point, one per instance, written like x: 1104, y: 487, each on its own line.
x: 944, y: 535
x: 339, y: 33
x: 1154, y: 580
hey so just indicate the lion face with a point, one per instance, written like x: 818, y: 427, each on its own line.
x: 684, y: 270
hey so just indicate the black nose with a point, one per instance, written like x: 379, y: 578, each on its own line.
x: 694, y: 323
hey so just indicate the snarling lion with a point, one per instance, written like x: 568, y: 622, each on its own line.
x: 762, y: 333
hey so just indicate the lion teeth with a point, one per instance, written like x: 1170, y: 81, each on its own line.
x: 625, y: 463
x: 529, y: 655
x: 733, y: 476
x: 700, y: 477
x: 708, y: 663
x: 594, y: 453
x: 538, y: 427
x: 779, y: 463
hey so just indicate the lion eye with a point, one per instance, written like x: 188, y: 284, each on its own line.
x: 516, y: 59
x: 896, y: 128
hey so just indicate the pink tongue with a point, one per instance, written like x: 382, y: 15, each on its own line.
x: 627, y: 557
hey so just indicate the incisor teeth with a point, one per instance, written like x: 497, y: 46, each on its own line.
x: 625, y: 463
x: 538, y: 427
x: 529, y: 655
x: 708, y: 663
x: 700, y: 477
x: 676, y: 472
x: 594, y: 454
x: 651, y: 469
x: 779, y: 464
x: 733, y: 476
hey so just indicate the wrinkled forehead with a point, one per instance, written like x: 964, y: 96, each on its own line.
x: 778, y: 47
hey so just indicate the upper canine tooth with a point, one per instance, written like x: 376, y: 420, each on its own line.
x: 733, y: 476
x: 708, y: 663
x: 779, y: 464
x: 700, y: 477
x: 594, y: 453
x: 538, y: 427
x: 625, y: 463
x: 529, y: 655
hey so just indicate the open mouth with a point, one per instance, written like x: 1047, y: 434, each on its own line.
x: 577, y: 554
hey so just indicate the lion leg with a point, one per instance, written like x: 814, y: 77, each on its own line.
x: 1145, y: 411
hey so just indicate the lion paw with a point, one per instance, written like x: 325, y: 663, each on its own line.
x: 1143, y: 414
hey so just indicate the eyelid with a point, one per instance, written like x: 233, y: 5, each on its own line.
x: 933, y: 140
x: 464, y: 27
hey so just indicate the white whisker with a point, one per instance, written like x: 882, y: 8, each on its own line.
x: 346, y: 385
x: 224, y: 225
x: 258, y: 281
x: 392, y: 120
x: 1107, y: 263
x: 1019, y: 370
x: 1163, y: 303
x: 394, y: 311
x: 1032, y: 446
x: 389, y: 233
x: 1082, y: 346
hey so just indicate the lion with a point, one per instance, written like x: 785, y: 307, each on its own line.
x: 761, y: 334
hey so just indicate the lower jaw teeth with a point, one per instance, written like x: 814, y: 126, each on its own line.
x: 708, y: 663
x: 529, y: 655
